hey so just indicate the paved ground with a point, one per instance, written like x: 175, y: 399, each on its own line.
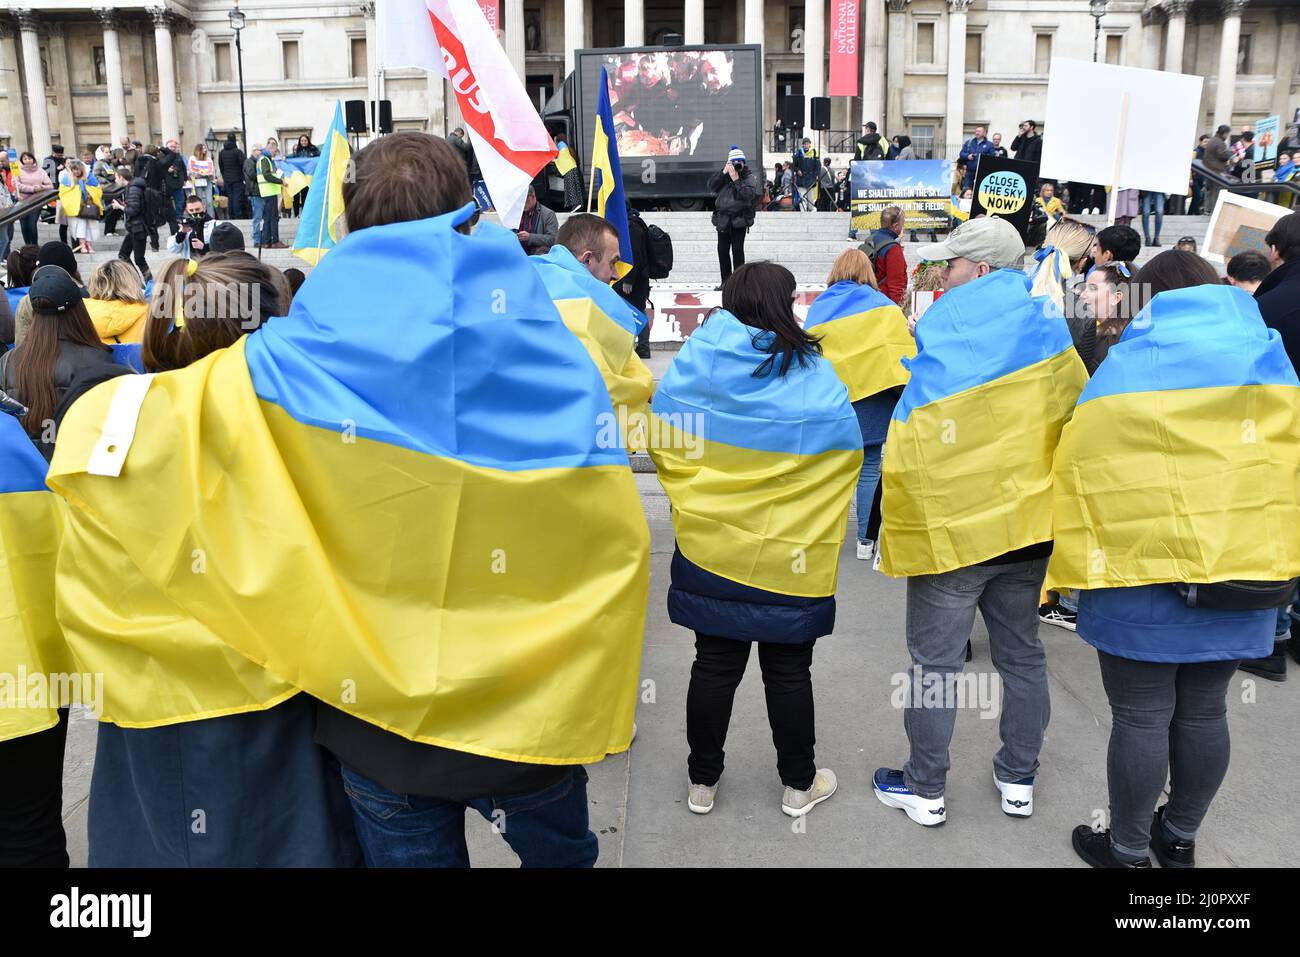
x: 638, y: 799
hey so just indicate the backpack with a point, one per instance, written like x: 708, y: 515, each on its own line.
x: 660, y: 245
x: 868, y: 246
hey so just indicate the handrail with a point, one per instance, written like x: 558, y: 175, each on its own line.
x: 1234, y: 185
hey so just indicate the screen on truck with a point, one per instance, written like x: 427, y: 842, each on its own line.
x: 687, y: 105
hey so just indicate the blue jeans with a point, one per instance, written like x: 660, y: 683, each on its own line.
x: 868, y: 479
x: 546, y: 828
x: 940, y: 615
x: 29, y: 224
x: 258, y: 203
x: 178, y: 197
x: 1152, y: 202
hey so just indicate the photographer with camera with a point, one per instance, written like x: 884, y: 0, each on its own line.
x: 191, y: 240
x: 735, y: 195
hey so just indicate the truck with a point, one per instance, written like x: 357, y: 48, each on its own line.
x: 677, y: 112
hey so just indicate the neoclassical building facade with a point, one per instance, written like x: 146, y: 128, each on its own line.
x: 84, y: 72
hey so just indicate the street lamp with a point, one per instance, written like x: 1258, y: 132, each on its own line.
x: 237, y: 23
x: 211, y: 140
x: 1098, y: 10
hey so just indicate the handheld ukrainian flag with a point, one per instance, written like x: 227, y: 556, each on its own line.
x: 73, y: 194
x: 605, y: 197
x: 1180, y: 462
x: 607, y: 326
x: 967, y: 471
x: 297, y: 172
x: 400, y: 504
x: 318, y: 229
x: 31, y: 644
x: 759, y: 469
x: 864, y: 336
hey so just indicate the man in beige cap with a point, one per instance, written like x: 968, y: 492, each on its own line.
x: 975, y: 249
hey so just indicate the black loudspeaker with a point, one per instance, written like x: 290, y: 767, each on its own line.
x: 792, y: 112
x: 354, y: 114
x: 385, y: 116
x: 821, y: 112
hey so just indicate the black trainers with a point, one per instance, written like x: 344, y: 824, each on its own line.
x: 1170, y: 851
x: 1054, y: 614
x: 1293, y: 645
x: 1094, y: 848
x: 1271, y: 667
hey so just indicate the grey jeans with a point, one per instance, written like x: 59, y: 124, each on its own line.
x: 940, y: 615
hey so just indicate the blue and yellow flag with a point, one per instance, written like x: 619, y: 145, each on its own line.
x: 607, y: 326
x: 1180, y: 462
x: 318, y: 229
x: 864, y: 335
x: 31, y: 644
x: 73, y: 194
x: 297, y: 173
x: 605, y: 197
x: 968, y: 460
x: 759, y: 469
x: 398, y: 503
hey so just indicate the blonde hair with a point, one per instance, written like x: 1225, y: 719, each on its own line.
x: 116, y: 280
x: 22, y: 320
x: 1070, y: 237
x: 853, y: 265
x: 927, y: 278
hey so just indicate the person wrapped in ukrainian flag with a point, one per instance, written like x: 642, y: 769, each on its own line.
x: 865, y: 337
x: 1177, y: 514
x: 967, y: 505
x: 393, y: 499
x: 577, y: 272
x: 758, y: 448
x: 32, y: 730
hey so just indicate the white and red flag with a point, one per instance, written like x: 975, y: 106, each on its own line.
x: 453, y: 40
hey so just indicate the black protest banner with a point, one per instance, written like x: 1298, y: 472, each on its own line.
x: 1005, y: 188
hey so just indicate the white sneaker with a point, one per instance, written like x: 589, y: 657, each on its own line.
x: 1018, y: 798
x: 699, y: 798
x: 798, y: 803
x: 892, y: 792
x: 633, y: 741
x: 866, y: 551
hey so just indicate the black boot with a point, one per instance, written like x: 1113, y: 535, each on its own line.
x: 1094, y: 847
x: 1294, y: 644
x: 1170, y: 851
x: 1271, y: 668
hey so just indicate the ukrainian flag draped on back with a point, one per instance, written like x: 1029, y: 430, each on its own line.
x: 605, y: 198
x: 1181, y: 461
x: 968, y: 459
x: 759, y: 469
x: 399, y: 500
x: 318, y: 229
x: 31, y: 519
x: 607, y: 325
x: 864, y: 336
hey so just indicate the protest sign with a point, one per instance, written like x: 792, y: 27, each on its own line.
x: 1005, y: 188
x: 1239, y: 224
x: 1267, y: 132
x: 921, y: 188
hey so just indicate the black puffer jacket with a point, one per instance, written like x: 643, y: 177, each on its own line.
x: 734, y: 201
x: 230, y: 163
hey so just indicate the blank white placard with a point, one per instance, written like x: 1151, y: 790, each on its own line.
x: 1082, y: 123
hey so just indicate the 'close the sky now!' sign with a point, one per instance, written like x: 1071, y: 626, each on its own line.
x: 844, y: 47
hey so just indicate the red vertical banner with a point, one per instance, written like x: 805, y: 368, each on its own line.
x: 492, y: 12
x: 844, y: 47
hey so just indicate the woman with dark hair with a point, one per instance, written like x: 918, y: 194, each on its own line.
x: 1176, y: 588
x: 32, y: 181
x: 904, y: 144
x: 59, y: 355
x: 304, y: 147
x: 1111, y: 297
x: 19, y: 267
x: 759, y: 450
x: 295, y: 278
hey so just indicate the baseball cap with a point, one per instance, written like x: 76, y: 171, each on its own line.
x: 52, y: 288
x: 988, y: 239
x: 56, y: 253
x: 225, y: 238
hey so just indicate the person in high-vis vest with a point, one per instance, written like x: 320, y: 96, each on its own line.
x: 268, y: 187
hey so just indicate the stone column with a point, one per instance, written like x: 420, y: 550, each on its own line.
x: 814, y: 58
x: 873, y: 61
x: 1175, y: 31
x: 693, y: 31
x: 574, y: 23
x: 1150, y: 39
x: 1229, y: 40
x: 755, y: 27
x: 162, y: 33
x: 37, y: 105
x: 114, y: 75
x: 955, y: 120
x: 513, y: 24
x: 10, y: 83
x: 634, y: 23
x: 892, y: 122
x: 1288, y: 53
x: 62, y: 83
